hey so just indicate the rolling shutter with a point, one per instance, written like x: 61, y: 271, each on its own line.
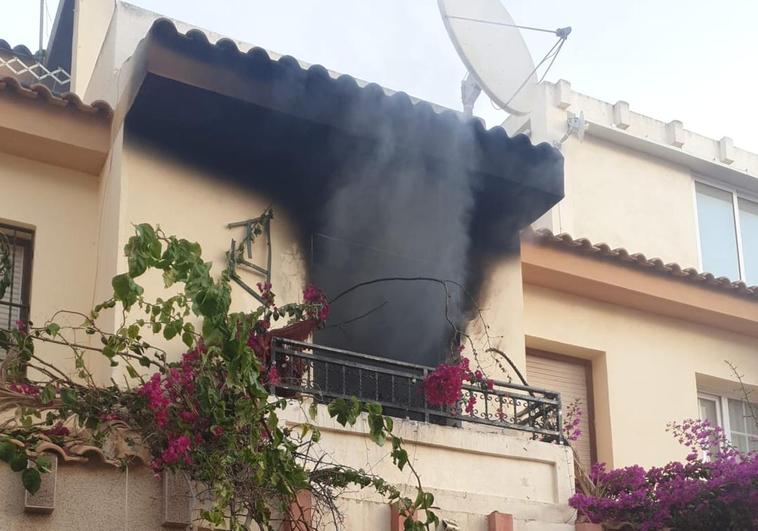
x: 568, y: 377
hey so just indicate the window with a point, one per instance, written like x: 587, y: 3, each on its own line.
x: 735, y: 416
x: 743, y: 431
x: 748, y: 213
x: 728, y: 227
x: 710, y: 410
x: 14, y: 306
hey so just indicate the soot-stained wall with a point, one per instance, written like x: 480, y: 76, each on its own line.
x: 386, y: 205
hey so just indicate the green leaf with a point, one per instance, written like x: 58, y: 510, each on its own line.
x: 313, y: 410
x: 376, y: 429
x: 126, y: 290
x: 7, y: 451
x: 69, y: 397
x: 18, y: 461
x: 169, y: 277
x: 52, y: 329
x: 31, y: 479
x: 131, y: 371
x: 48, y: 394
x: 171, y: 329
x: 428, y: 500
x: 133, y: 331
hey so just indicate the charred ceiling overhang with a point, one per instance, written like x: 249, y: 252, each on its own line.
x: 238, y: 105
x: 379, y: 185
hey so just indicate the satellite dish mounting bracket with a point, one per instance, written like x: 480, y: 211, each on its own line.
x: 470, y: 91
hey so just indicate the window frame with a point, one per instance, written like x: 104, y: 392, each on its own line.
x: 26, y: 273
x: 737, y: 194
x: 722, y: 411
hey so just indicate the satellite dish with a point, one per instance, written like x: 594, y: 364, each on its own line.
x: 493, y: 50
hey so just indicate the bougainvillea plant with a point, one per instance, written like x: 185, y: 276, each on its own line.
x: 716, y: 487
x: 211, y: 415
x: 443, y: 387
x: 572, y: 420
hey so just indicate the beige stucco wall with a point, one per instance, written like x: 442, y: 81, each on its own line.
x: 471, y: 472
x: 197, y: 205
x: 629, y: 199
x: 498, y: 320
x: 91, y: 21
x: 88, y: 496
x: 62, y: 207
x: 629, y: 177
x: 645, y: 368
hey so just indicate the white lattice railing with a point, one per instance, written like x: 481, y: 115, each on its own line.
x: 38, y: 71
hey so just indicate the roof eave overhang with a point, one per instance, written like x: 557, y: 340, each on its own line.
x: 536, y: 172
x: 60, y: 131
x: 611, y: 282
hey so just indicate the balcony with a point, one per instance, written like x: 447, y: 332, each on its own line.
x: 327, y: 373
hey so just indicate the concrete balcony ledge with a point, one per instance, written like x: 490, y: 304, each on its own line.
x: 472, y: 471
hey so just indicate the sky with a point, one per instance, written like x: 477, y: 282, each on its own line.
x: 693, y: 61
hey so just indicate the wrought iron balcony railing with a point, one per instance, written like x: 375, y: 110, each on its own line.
x: 327, y: 373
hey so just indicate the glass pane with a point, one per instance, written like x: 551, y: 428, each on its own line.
x: 753, y: 444
x: 751, y: 412
x: 708, y: 410
x: 740, y: 442
x: 718, y: 239
x: 736, y: 416
x: 749, y: 232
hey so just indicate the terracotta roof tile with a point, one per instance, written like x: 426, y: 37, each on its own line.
x: 43, y: 93
x: 639, y: 260
x: 19, y: 49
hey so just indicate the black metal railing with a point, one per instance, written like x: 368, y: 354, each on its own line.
x: 328, y: 373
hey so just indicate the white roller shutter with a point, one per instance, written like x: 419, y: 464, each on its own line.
x: 569, y: 378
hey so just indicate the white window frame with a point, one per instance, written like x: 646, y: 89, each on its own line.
x: 737, y: 194
x: 722, y: 410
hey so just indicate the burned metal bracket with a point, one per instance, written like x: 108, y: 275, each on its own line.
x: 241, y: 254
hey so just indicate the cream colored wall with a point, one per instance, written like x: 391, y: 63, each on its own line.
x: 62, y: 208
x: 471, y: 472
x: 91, y: 21
x: 88, y: 496
x: 629, y: 199
x: 644, y: 368
x: 500, y: 323
x: 197, y: 205
x: 629, y: 177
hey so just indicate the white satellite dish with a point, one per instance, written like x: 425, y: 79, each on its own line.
x: 494, y: 52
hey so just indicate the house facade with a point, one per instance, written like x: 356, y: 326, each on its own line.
x: 179, y: 127
x: 644, y: 274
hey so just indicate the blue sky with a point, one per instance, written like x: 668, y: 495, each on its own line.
x: 688, y: 60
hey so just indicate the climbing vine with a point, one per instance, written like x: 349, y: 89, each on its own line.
x: 210, y: 415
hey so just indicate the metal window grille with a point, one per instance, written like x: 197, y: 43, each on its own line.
x: 14, y: 305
